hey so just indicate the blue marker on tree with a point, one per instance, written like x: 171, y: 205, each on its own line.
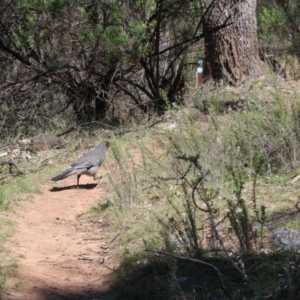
x: 199, y: 71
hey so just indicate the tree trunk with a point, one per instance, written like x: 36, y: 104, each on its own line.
x: 246, y: 25
x: 232, y: 52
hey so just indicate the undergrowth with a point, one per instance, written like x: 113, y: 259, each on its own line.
x: 198, y: 201
x: 194, y: 204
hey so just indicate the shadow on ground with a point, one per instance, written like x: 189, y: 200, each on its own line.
x: 83, y: 295
x: 88, y: 186
x: 274, y: 276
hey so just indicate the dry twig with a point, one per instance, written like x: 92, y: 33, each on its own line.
x: 11, y: 173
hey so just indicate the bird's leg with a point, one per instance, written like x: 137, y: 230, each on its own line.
x: 98, y: 180
x: 78, y: 176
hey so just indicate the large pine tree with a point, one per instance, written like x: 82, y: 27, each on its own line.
x: 232, y: 52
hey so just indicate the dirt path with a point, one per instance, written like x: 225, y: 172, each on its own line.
x: 59, y: 256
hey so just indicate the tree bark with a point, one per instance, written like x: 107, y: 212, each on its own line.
x: 246, y: 26
x: 232, y: 52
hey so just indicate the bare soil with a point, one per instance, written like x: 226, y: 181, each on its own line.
x: 61, y: 255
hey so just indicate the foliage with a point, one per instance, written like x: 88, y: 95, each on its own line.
x: 75, y: 60
x: 271, y: 22
x: 194, y: 193
x: 278, y: 23
x: 209, y: 209
x: 290, y: 9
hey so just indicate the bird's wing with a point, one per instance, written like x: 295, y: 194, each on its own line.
x: 92, y: 158
x: 83, y: 162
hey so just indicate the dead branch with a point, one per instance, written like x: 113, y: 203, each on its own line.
x: 11, y: 173
x: 73, y: 127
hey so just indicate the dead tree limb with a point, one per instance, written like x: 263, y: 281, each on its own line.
x: 73, y: 127
x: 11, y: 172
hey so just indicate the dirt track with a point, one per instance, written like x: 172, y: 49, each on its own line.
x: 60, y: 257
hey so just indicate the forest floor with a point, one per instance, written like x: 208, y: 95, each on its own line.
x: 60, y: 256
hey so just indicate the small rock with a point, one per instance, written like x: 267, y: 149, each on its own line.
x: 286, y: 239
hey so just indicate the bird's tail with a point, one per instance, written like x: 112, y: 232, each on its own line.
x: 63, y: 175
